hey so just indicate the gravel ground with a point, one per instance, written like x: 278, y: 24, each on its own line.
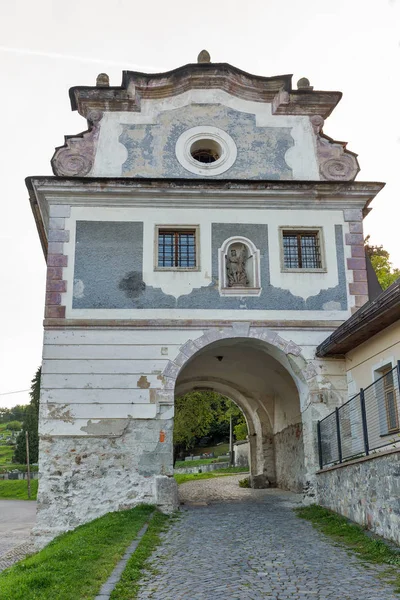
x: 220, y: 489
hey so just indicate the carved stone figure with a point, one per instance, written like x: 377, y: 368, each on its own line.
x: 236, y: 267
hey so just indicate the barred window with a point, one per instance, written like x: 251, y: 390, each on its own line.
x: 301, y: 250
x: 177, y: 248
x: 392, y: 416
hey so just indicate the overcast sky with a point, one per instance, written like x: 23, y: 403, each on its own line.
x: 47, y: 46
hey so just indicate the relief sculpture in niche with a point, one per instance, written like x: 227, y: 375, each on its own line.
x: 239, y: 268
x: 236, y: 266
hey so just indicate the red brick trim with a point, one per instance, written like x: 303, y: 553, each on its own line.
x: 357, y: 263
x: 56, y: 261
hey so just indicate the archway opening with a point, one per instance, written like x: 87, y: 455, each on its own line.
x: 251, y: 373
x: 208, y: 429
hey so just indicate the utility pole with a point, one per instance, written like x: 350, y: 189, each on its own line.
x: 27, y: 464
x: 231, y: 460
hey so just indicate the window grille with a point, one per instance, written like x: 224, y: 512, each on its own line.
x: 301, y: 250
x: 392, y: 416
x: 177, y: 248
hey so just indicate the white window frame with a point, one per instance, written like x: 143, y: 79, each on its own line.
x: 319, y: 230
x: 175, y: 228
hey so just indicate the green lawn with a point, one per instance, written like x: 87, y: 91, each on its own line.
x: 18, y: 489
x: 368, y: 548
x: 183, y: 478
x: 6, y: 454
x: 76, y: 564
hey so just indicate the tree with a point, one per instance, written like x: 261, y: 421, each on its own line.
x: 30, y: 424
x: 199, y: 414
x: 193, y: 417
x: 382, y: 266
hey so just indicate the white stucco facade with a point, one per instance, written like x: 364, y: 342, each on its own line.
x: 125, y: 333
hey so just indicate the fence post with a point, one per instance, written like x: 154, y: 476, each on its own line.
x: 364, y: 421
x: 339, y: 441
x: 321, y: 463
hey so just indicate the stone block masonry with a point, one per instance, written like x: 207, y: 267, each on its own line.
x: 366, y: 491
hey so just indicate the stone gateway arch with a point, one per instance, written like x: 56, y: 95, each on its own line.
x: 203, y: 213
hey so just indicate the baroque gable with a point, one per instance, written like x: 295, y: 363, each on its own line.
x: 155, y: 125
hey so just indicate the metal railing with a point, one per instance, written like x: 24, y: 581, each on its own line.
x: 367, y: 422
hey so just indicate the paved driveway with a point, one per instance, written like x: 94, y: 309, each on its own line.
x: 252, y: 546
x: 17, y: 517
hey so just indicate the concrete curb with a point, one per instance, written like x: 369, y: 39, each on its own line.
x: 108, y: 587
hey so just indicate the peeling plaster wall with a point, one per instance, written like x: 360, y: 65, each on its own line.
x: 106, y: 414
x: 289, y: 458
x: 111, y: 270
x: 142, y: 144
x: 82, y: 478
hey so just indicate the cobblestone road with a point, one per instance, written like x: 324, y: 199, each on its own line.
x: 17, y: 518
x: 251, y: 548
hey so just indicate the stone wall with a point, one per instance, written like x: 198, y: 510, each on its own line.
x: 366, y: 491
x: 82, y: 478
x: 242, y: 452
x: 202, y: 468
x: 289, y: 458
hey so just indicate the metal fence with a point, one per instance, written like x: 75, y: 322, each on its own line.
x: 365, y: 423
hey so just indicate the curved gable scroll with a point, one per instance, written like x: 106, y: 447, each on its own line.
x: 239, y: 268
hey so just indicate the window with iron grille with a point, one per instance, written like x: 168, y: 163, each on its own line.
x: 301, y: 249
x: 392, y: 415
x: 177, y: 248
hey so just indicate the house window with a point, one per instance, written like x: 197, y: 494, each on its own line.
x: 301, y: 249
x: 177, y: 248
x: 392, y: 415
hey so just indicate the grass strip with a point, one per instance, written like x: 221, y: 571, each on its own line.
x: 367, y: 547
x: 17, y: 489
x: 76, y: 563
x: 185, y: 464
x: 184, y: 477
x: 128, y: 586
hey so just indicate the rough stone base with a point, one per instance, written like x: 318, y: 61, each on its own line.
x: 166, y: 494
x: 366, y: 491
x: 259, y: 482
x: 289, y: 458
x: 82, y: 478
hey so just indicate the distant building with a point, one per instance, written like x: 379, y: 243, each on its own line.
x: 203, y: 233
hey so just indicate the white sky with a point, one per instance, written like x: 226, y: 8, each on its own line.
x: 49, y: 46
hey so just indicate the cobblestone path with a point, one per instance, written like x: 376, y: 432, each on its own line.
x: 255, y: 548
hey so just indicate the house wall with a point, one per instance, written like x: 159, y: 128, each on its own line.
x: 377, y: 352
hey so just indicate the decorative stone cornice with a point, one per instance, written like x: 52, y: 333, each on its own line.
x: 335, y: 162
x: 137, y: 86
x: 199, y: 193
x: 76, y: 157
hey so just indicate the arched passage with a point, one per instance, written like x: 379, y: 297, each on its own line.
x: 246, y: 370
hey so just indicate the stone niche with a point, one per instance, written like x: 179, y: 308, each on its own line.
x: 239, y: 268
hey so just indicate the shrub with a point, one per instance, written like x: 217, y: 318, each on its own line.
x: 14, y: 426
x: 244, y: 483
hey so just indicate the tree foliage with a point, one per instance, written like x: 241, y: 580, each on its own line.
x: 16, y: 413
x: 30, y: 424
x: 203, y: 413
x: 382, y: 265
